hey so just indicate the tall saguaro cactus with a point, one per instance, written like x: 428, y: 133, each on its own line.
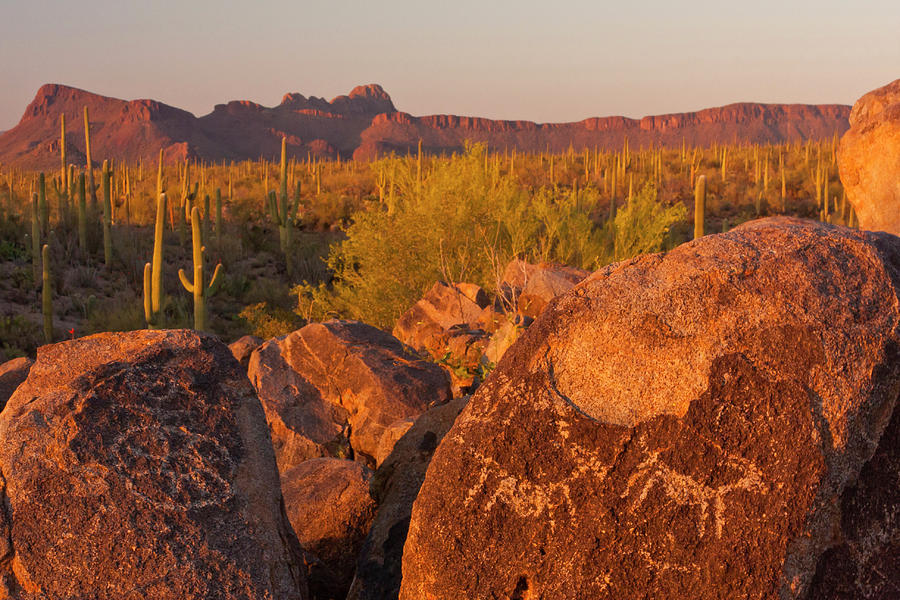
x: 282, y: 209
x: 46, y: 295
x: 90, y: 165
x: 63, y: 174
x: 43, y: 206
x: 198, y: 287
x: 219, y: 219
x: 35, y: 237
x: 154, y: 296
x: 107, y: 216
x: 699, y: 206
x: 82, y: 214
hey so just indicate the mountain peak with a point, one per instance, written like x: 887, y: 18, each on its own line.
x: 372, y: 91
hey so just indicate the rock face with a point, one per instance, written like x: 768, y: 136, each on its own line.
x: 869, y: 159
x: 139, y: 464
x: 328, y: 503
x: 12, y: 374
x: 715, y: 422
x: 395, y: 487
x: 336, y: 388
x: 534, y: 286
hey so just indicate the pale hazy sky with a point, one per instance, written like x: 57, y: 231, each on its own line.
x: 538, y: 60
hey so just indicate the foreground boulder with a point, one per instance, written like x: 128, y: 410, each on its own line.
x: 336, y: 388
x: 139, y: 464
x: 531, y: 287
x: 395, y: 487
x: 869, y: 159
x: 715, y: 422
x: 12, y: 374
x: 328, y: 503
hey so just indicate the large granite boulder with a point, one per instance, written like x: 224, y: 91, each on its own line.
x: 395, y: 486
x: 12, y: 374
x: 715, y: 422
x: 139, y: 465
x: 869, y: 159
x: 336, y: 388
x: 328, y: 503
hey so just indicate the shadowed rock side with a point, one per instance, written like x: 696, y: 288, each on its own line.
x: 869, y: 159
x: 138, y: 465
x: 12, y: 374
x: 328, y: 503
x: 395, y: 486
x: 683, y: 425
x: 365, y: 124
x: 336, y: 388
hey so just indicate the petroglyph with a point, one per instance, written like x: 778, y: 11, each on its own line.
x: 684, y: 490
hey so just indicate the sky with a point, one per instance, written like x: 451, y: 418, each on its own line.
x: 544, y: 61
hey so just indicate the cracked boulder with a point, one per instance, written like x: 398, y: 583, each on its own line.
x: 395, y: 486
x: 138, y: 465
x: 335, y: 389
x: 715, y: 422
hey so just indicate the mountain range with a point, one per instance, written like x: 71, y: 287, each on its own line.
x: 365, y: 124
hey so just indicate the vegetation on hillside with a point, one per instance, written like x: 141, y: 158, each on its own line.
x: 364, y: 240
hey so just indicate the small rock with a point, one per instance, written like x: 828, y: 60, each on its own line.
x: 531, y: 287
x: 243, y: 347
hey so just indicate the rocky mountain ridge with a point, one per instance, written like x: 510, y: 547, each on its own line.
x: 365, y: 124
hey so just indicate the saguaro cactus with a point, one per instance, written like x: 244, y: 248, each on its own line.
x: 218, y: 218
x: 153, y: 279
x: 198, y: 287
x: 43, y: 206
x: 282, y: 209
x: 107, y: 216
x: 35, y: 237
x: 699, y: 206
x: 90, y: 166
x: 64, y: 183
x: 82, y: 214
x: 47, y: 295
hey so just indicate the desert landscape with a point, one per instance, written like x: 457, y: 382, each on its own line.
x: 331, y: 350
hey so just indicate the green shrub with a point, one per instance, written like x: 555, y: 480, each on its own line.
x: 463, y: 219
x: 267, y: 322
x: 641, y: 226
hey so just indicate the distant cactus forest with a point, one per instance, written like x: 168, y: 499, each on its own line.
x: 260, y: 247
